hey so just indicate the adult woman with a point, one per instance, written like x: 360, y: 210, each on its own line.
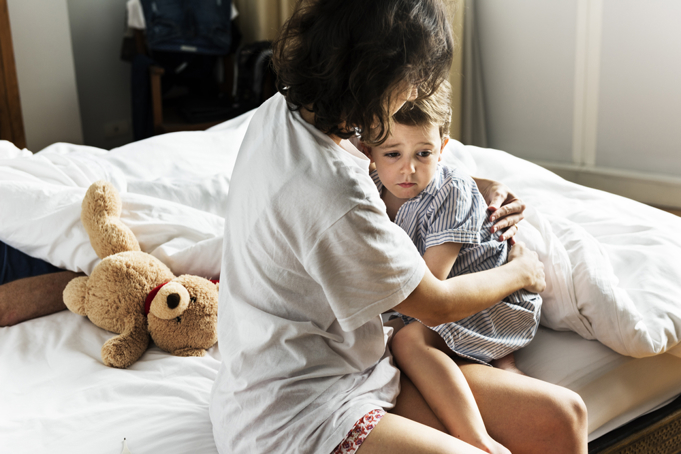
x: 311, y: 259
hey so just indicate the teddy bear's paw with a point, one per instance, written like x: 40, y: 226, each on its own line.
x: 190, y: 352
x: 115, y: 353
x: 122, y: 351
x: 74, y: 295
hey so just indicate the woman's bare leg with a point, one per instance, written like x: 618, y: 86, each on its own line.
x: 33, y: 297
x: 525, y: 414
x: 410, y: 429
x: 420, y: 353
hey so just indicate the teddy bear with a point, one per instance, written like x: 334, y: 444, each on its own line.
x: 133, y: 294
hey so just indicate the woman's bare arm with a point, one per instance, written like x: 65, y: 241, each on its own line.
x: 504, y: 206
x: 435, y: 302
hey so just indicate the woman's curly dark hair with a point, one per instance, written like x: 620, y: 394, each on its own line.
x: 435, y: 110
x: 346, y: 60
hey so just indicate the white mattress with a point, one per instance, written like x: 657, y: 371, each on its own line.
x: 57, y: 396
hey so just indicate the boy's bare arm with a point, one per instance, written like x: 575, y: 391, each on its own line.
x: 440, y: 259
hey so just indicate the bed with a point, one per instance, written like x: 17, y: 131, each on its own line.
x: 611, y: 321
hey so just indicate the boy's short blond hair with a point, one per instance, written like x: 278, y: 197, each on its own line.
x: 435, y: 110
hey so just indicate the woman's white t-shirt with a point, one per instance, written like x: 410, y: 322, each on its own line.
x: 310, y: 261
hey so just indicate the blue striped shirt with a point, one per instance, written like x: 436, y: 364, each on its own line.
x: 452, y: 210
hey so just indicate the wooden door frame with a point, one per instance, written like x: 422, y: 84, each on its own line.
x: 11, y: 119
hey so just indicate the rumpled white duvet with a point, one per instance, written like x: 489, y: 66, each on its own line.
x: 612, y: 264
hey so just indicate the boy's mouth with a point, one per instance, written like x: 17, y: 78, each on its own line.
x: 406, y: 185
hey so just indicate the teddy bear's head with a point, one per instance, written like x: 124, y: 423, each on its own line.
x: 182, y: 315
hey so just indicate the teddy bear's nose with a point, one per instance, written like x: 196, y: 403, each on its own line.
x: 173, y: 300
x: 170, y: 301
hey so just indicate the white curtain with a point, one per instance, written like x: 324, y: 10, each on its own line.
x: 473, y: 124
x: 456, y: 16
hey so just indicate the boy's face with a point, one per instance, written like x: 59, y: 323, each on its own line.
x: 407, y: 161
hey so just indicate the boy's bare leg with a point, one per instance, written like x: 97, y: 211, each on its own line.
x: 412, y: 428
x: 33, y: 297
x: 420, y: 353
x: 507, y: 363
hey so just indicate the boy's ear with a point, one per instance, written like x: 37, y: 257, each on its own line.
x: 445, y: 141
x: 366, y: 150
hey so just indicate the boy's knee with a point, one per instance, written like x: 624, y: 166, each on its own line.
x: 404, y: 342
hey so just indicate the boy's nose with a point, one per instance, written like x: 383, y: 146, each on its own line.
x: 408, y: 167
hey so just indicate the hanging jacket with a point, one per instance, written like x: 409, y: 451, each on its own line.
x: 195, y: 26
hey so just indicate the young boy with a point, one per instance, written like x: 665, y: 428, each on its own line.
x: 445, y: 216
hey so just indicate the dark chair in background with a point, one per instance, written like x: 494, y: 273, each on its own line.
x: 189, y: 71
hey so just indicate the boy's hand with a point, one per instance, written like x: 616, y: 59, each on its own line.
x: 506, y: 210
x: 529, y: 262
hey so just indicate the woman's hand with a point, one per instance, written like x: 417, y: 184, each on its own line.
x: 528, y: 261
x: 506, y: 210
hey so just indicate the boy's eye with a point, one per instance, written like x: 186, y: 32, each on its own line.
x: 392, y: 155
x: 424, y: 154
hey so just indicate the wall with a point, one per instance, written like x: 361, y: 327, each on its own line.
x: 97, y: 29
x: 73, y: 85
x: 589, y: 89
x: 44, y: 60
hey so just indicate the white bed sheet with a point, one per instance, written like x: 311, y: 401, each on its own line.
x: 56, y: 395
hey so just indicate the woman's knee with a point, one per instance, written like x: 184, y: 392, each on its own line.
x: 568, y: 422
x: 572, y: 408
x: 577, y: 413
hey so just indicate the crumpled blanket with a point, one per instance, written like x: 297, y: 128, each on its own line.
x: 612, y: 265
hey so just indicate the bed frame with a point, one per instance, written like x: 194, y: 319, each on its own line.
x: 658, y: 432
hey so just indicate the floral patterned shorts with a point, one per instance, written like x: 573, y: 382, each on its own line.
x: 359, y: 432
